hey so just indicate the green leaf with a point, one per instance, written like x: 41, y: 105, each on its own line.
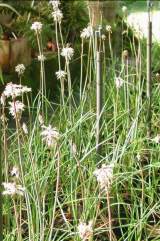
x: 10, y: 7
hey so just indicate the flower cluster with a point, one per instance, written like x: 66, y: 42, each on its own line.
x: 61, y: 74
x: 20, y: 68
x: 25, y: 129
x: 156, y: 139
x: 73, y: 149
x: 109, y: 28
x: 103, y: 37
x: 55, y: 4
x: 85, y: 231
x: 124, y: 9
x: 119, y: 82
x: 37, y: 27
x: 104, y: 176
x: 15, y: 172
x: 87, y: 32
x: 40, y: 119
x: 15, y: 90
x: 50, y: 135
x: 67, y: 52
x: 11, y: 188
x: 16, y: 109
x: 41, y: 57
x: 57, y: 13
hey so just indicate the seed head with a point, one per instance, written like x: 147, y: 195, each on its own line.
x: 119, y: 82
x: 10, y: 188
x: 61, y: 74
x: 41, y: 57
x: 16, y: 109
x: 15, y: 90
x: 57, y: 15
x: 67, y: 52
x: 15, y: 172
x: 85, y: 231
x: 25, y: 129
x: 109, y: 28
x: 104, y: 176
x: 50, y: 136
x: 54, y: 4
x: 87, y: 32
x: 37, y: 27
x: 20, y: 68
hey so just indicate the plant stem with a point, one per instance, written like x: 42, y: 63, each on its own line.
x: 109, y: 216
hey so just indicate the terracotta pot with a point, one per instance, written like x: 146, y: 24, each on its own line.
x: 4, y: 54
x: 13, y: 52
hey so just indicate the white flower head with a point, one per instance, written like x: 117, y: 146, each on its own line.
x: 104, y: 176
x: 57, y: 15
x: 10, y: 188
x: 36, y: 26
x: 40, y: 119
x: 85, y: 231
x: 15, y: 90
x: 50, y: 136
x: 109, y: 28
x: 20, y: 68
x: 74, y: 149
x: 15, y: 172
x: 55, y: 4
x: 119, y: 82
x: 41, y: 57
x: 156, y: 139
x: 67, y: 52
x: 16, y: 109
x: 103, y: 37
x: 25, y: 129
x: 124, y: 9
x: 87, y: 32
x: 138, y: 156
x: 61, y: 74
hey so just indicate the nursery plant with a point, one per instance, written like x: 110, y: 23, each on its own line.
x: 56, y: 186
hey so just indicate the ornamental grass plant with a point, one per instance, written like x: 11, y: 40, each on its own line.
x: 55, y: 186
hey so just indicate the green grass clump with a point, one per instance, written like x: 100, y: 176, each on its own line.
x: 57, y: 172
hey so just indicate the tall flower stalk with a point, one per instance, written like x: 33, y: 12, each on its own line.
x: 4, y: 128
x: 37, y: 27
x: 104, y: 177
x: 57, y: 17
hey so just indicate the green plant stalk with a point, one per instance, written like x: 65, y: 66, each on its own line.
x: 109, y: 216
x: 149, y: 78
x: 20, y: 160
x: 88, y: 69
x: 110, y: 45
x: 127, y: 89
x: 99, y: 101
x: 61, y: 36
x: 56, y: 194
x: 115, y: 117
x: 19, y: 231
x: 42, y: 73
x: 81, y: 77
x: 69, y: 91
x: 5, y: 147
x: 59, y: 64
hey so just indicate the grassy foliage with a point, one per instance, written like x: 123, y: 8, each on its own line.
x: 60, y: 188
